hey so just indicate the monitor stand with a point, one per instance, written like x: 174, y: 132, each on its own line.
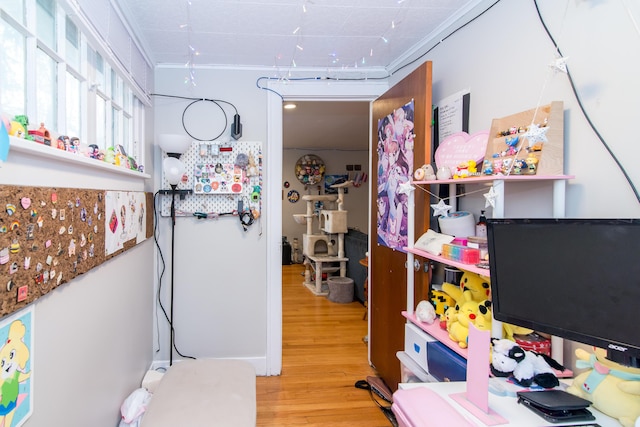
x: 476, y: 398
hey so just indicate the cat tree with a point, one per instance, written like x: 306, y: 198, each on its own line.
x: 324, y: 250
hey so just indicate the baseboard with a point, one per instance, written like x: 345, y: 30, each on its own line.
x: 259, y: 364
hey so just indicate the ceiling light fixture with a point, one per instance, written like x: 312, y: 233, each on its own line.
x: 289, y: 106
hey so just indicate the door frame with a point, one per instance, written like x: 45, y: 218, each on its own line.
x: 279, y: 91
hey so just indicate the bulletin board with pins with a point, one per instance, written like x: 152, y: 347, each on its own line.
x: 48, y: 236
x: 220, y: 177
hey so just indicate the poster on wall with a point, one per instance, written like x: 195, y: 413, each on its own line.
x: 16, y: 354
x: 125, y: 219
x: 395, y: 166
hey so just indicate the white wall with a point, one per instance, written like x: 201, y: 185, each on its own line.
x: 220, y: 288
x: 503, y: 58
x: 93, y: 335
x: 355, y: 201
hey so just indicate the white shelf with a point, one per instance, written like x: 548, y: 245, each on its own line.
x: 498, y: 182
x: 40, y: 150
x: 467, y: 267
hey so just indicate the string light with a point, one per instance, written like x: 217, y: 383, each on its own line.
x: 192, y: 51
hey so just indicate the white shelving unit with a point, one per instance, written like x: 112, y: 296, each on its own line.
x: 499, y: 182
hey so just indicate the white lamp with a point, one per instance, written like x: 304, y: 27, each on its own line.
x: 174, y: 145
x: 173, y: 168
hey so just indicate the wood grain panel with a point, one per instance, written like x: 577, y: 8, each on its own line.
x: 387, y: 283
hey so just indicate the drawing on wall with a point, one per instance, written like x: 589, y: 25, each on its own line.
x: 125, y: 219
x: 395, y: 165
x: 16, y: 378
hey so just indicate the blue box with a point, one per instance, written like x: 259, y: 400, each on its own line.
x: 445, y: 364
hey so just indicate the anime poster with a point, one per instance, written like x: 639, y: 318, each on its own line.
x: 125, y: 219
x: 16, y: 377
x: 395, y: 166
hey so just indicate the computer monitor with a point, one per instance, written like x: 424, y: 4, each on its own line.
x: 578, y: 279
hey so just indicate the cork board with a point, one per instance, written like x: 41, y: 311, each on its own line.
x: 48, y: 236
x: 510, y: 152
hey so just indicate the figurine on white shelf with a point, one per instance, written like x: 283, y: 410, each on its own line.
x: 424, y: 173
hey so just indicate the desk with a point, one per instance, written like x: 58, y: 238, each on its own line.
x: 506, y: 406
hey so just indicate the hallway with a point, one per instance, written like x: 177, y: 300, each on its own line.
x: 323, y: 355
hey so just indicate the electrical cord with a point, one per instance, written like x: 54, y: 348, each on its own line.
x: 584, y: 112
x: 160, y: 277
x: 197, y: 100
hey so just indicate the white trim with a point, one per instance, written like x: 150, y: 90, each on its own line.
x: 280, y: 91
x: 40, y: 150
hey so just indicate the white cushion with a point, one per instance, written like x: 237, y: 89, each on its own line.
x: 206, y: 392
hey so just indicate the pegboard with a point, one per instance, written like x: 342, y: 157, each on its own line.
x: 218, y: 183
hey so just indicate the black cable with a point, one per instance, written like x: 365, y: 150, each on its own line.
x: 196, y: 100
x: 160, y: 277
x: 582, y: 109
x: 389, y: 74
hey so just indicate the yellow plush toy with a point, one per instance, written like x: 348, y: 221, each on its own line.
x: 483, y: 317
x: 612, y: 388
x: 479, y: 286
x: 467, y: 313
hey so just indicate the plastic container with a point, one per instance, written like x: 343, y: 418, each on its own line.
x: 463, y: 254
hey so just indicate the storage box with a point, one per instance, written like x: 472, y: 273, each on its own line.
x: 445, y: 364
x: 410, y: 372
x: 415, y: 344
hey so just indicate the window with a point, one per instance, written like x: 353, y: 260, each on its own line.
x: 46, y: 22
x: 72, y: 47
x: 12, y: 64
x: 15, y: 9
x: 74, y: 84
x: 46, y: 90
x: 73, y: 106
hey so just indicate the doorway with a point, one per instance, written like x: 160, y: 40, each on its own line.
x: 278, y: 93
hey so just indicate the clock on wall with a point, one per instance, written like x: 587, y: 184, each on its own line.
x: 310, y: 169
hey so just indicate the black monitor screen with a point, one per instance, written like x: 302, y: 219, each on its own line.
x: 575, y: 278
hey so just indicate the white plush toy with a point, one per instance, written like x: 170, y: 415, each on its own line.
x: 425, y: 312
x: 526, y: 367
x: 424, y: 173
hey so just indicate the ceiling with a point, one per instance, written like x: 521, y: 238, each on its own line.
x: 329, y: 35
x: 288, y: 33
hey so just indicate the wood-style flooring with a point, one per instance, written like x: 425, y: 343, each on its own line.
x: 323, y: 355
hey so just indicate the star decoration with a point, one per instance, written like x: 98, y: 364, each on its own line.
x: 490, y: 198
x: 560, y: 64
x: 441, y: 209
x: 536, y: 134
x: 405, y: 188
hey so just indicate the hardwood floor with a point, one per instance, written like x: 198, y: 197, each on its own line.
x: 323, y: 355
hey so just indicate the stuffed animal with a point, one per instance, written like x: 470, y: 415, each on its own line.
x: 442, y: 301
x: 479, y: 286
x: 483, y: 316
x: 467, y: 310
x: 425, y: 173
x: 526, y: 367
x: 612, y: 388
x: 425, y: 312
